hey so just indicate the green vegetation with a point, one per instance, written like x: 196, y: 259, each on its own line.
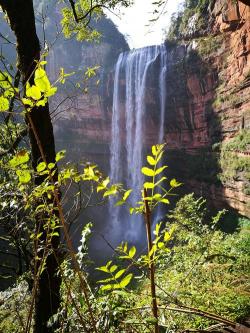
x: 202, y: 279
x: 191, y: 21
x: 232, y: 161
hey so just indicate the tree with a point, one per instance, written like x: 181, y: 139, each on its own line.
x: 22, y: 22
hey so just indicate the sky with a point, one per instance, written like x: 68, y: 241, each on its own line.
x: 132, y: 22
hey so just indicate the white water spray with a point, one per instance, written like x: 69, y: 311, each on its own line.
x: 135, y: 74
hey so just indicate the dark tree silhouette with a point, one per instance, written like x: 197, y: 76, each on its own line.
x: 40, y: 131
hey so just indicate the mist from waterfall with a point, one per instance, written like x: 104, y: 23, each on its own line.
x: 136, y: 73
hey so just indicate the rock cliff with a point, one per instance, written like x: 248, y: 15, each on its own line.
x: 208, y: 118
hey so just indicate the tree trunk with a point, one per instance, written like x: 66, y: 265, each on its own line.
x: 22, y: 22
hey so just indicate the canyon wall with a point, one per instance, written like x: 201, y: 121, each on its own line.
x: 208, y: 116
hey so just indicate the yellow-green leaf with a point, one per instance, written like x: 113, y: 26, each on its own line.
x: 149, y: 185
x: 60, y: 155
x: 27, y: 101
x: 113, y: 268
x: 21, y: 157
x: 158, y: 171
x: 151, y: 160
x: 154, y: 151
x: 51, y: 92
x: 41, y: 80
x: 33, y: 92
x: 24, y: 176
x: 41, y: 166
x: 120, y: 273
x: 126, y: 280
x: 174, y: 183
x: 4, y: 104
x: 164, y: 200
x: 148, y: 172
x: 126, y: 195
x: 132, y: 252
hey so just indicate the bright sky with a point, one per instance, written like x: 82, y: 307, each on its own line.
x: 133, y: 22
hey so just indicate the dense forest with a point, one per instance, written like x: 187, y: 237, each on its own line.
x: 124, y: 174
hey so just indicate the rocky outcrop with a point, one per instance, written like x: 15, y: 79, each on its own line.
x: 210, y: 107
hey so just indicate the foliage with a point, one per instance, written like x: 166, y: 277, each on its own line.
x: 232, y: 160
x: 190, y: 21
x: 76, y: 18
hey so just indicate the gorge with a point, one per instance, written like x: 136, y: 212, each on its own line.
x: 187, y: 112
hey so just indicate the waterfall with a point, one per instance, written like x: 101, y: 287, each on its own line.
x: 139, y: 83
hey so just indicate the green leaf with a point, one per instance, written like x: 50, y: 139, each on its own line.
x: 120, y: 273
x: 60, y: 155
x: 51, y: 92
x: 164, y: 200
x: 111, y: 191
x: 33, y: 92
x: 41, y: 80
x: 41, y: 166
x: 106, y: 280
x: 106, y: 287
x: 149, y: 185
x: 27, y: 101
x: 113, y: 268
x: 157, y: 229
x: 131, y: 210
x: 151, y: 160
x: 154, y: 151
x: 24, y: 176
x: 103, y: 269
x: 147, y: 172
x: 174, y: 183
x: 126, y: 194
x: 158, y: 171
x: 42, y: 102
x: 160, y: 245
x: 4, y: 104
x: 132, y: 252
x: 119, y: 203
x: 51, y: 166
x: 160, y: 181
x: 126, y: 280
x: 21, y: 157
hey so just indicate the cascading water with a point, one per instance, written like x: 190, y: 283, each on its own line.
x: 140, y: 78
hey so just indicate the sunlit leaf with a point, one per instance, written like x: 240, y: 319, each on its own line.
x: 149, y: 185
x: 164, y: 200
x: 24, y: 176
x: 132, y: 252
x: 4, y: 104
x: 174, y: 183
x: 151, y: 160
x: 120, y: 273
x: 41, y: 80
x: 20, y: 158
x: 126, y: 280
x: 33, y: 92
x: 126, y: 194
x: 41, y: 166
x: 113, y: 268
x: 154, y: 151
x: 60, y: 155
x: 148, y: 172
x: 158, y: 171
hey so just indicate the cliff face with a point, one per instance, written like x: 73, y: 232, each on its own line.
x: 208, y: 117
